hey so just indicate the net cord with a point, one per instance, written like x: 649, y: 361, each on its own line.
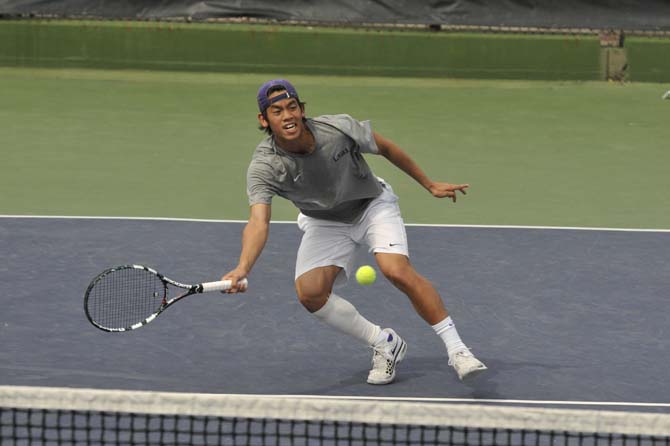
x: 314, y: 409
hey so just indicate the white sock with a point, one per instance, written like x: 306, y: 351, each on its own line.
x: 343, y: 316
x: 447, y: 331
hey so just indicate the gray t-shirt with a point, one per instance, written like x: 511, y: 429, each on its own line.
x: 332, y: 183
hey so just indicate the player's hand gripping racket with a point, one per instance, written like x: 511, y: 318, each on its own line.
x: 127, y: 297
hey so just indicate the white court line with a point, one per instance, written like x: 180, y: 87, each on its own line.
x: 426, y: 225
x: 93, y: 217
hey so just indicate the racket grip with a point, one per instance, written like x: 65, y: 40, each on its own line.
x: 222, y: 285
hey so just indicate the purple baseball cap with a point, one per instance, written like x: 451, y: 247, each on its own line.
x: 264, y: 102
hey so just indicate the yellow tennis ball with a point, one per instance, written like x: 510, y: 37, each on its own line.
x: 366, y: 275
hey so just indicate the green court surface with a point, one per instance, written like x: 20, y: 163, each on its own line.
x: 164, y: 144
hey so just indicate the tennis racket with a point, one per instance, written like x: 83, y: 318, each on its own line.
x: 128, y: 297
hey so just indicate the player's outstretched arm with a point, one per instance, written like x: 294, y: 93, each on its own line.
x: 254, y: 236
x: 404, y: 162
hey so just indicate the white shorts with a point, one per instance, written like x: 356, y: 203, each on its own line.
x: 330, y: 243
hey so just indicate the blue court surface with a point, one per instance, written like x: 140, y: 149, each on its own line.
x: 560, y: 316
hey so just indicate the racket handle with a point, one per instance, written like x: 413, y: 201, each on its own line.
x: 222, y: 285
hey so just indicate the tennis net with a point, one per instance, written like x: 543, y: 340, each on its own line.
x: 56, y: 416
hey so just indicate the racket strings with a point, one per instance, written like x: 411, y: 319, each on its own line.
x: 125, y: 297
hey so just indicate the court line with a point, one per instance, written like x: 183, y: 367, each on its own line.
x: 423, y: 225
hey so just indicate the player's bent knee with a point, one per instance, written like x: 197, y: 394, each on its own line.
x: 314, y: 286
x: 311, y: 295
x: 312, y: 302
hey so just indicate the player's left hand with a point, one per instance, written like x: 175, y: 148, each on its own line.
x: 448, y: 190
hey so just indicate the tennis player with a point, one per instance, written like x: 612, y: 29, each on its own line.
x: 317, y: 164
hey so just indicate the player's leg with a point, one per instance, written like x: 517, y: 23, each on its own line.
x: 428, y: 304
x: 314, y: 286
x: 325, y: 256
x: 315, y: 292
x: 384, y: 232
x: 422, y: 294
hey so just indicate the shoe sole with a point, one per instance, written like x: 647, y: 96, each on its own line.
x: 398, y: 359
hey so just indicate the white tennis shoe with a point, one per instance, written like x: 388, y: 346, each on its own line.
x: 387, y: 353
x: 466, y: 365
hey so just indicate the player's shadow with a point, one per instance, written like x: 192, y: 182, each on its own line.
x: 417, y: 374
